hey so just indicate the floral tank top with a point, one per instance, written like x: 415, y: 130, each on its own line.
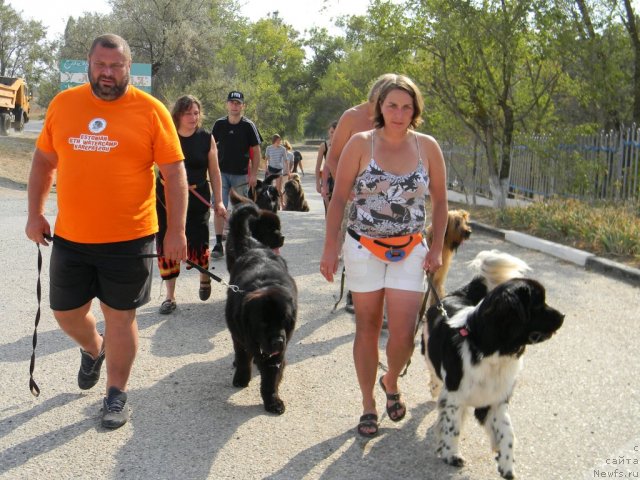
x: 388, y: 205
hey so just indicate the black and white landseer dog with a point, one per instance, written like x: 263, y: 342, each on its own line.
x: 475, y: 351
x: 265, y: 194
x: 261, y: 316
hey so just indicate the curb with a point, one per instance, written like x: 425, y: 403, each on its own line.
x: 587, y: 260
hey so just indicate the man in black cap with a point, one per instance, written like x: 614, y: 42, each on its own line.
x: 238, y: 142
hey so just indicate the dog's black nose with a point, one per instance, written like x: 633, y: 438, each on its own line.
x: 277, y: 344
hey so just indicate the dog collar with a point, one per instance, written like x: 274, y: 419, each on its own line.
x: 464, y: 332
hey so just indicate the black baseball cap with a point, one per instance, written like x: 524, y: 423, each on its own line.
x: 235, y: 96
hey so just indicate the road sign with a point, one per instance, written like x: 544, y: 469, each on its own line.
x: 74, y: 73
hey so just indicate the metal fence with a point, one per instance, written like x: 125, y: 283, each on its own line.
x: 605, y: 166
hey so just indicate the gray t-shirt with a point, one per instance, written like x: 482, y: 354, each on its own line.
x: 276, y: 156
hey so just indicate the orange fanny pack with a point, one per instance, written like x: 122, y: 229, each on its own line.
x: 391, y: 249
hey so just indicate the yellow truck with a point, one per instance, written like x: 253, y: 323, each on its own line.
x: 14, y: 104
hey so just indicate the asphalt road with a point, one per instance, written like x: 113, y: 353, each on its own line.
x: 576, y: 408
x: 34, y: 126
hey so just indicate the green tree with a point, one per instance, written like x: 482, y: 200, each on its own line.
x: 630, y: 21
x: 265, y: 60
x: 488, y: 63
x: 80, y: 32
x: 179, y: 38
x: 345, y: 67
x: 596, y: 55
x: 24, y: 50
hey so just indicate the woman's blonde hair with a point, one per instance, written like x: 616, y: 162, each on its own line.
x: 287, y: 145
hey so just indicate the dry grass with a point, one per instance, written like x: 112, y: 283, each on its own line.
x: 15, y: 156
x: 609, y: 231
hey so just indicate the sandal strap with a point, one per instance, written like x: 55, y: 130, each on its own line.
x: 368, y: 417
x: 390, y: 396
x: 395, y: 407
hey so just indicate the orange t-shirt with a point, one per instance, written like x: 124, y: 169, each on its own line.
x: 106, y: 151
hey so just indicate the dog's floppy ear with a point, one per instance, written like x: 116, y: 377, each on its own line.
x: 542, y: 320
x: 295, y: 177
x: 503, y: 316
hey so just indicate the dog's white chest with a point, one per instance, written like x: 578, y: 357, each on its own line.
x: 489, y: 382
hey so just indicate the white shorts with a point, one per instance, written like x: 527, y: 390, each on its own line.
x: 367, y: 273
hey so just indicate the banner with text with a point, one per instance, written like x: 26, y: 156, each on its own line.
x: 74, y: 73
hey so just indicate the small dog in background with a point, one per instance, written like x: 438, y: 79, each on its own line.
x: 294, y: 195
x: 474, y: 351
x: 265, y: 194
x: 458, y: 230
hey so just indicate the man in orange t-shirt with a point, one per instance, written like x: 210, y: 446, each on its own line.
x: 102, y: 140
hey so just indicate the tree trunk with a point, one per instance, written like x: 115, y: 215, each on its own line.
x: 495, y: 184
x: 498, y: 192
x: 507, y: 142
x: 632, y: 28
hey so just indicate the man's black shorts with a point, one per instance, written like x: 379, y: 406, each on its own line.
x: 112, y: 272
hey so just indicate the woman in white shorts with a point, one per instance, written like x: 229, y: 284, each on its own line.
x: 391, y: 170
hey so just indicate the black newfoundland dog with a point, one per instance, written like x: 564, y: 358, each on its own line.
x: 475, y: 350
x: 261, y: 315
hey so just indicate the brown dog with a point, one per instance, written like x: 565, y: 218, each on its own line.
x: 458, y: 230
x: 294, y: 195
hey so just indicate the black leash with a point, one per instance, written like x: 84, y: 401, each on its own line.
x: 342, y: 278
x: 33, y: 386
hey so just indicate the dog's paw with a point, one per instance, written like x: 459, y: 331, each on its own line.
x: 274, y: 405
x: 509, y: 474
x: 241, y: 380
x: 505, y: 465
x: 453, y: 460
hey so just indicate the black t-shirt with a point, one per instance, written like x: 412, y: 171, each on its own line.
x: 196, y: 155
x: 234, y: 142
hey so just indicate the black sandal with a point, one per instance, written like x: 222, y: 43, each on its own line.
x: 368, y: 421
x: 205, y: 290
x: 398, y: 405
x: 167, y: 307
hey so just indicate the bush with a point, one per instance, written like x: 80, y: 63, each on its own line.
x: 603, y: 229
